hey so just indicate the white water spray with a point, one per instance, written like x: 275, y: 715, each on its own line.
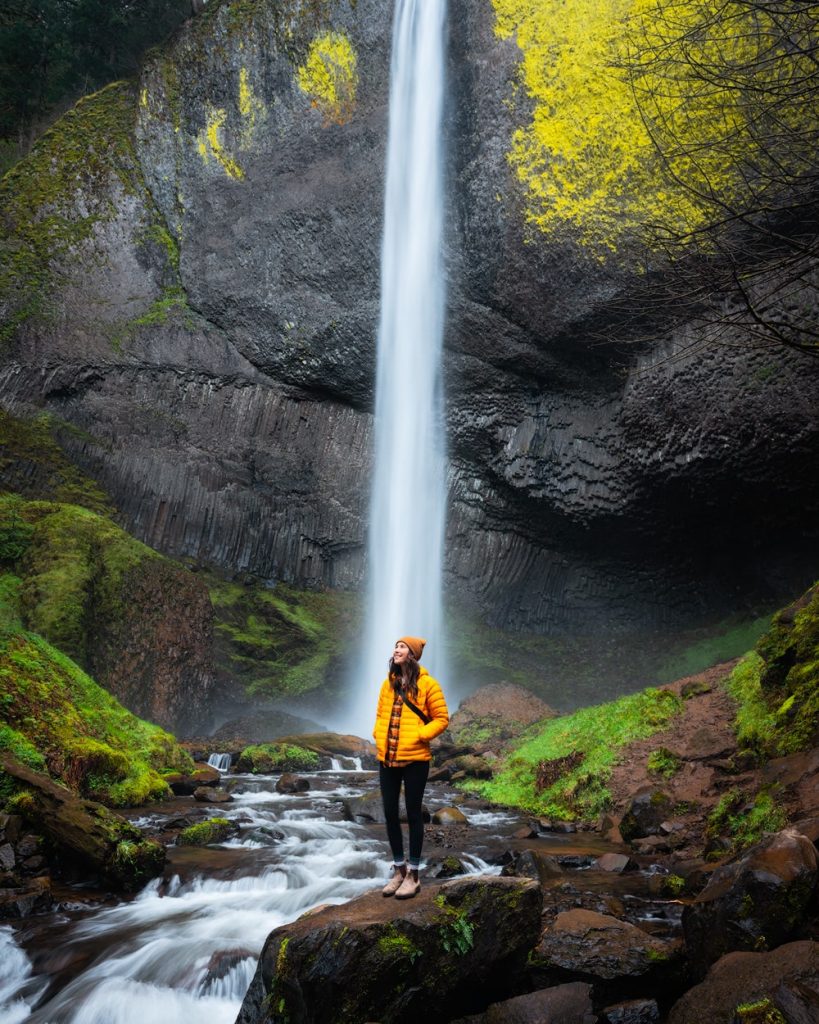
x: 409, y: 488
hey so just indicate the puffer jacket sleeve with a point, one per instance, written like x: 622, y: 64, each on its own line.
x: 382, y: 718
x: 437, y: 710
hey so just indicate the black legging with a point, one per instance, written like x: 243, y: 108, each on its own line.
x: 414, y: 777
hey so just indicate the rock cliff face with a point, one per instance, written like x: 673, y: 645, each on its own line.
x: 199, y: 294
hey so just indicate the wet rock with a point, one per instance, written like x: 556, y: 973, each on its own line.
x: 206, y: 795
x: 31, y: 865
x: 34, y: 898
x: 185, y: 785
x: 449, y: 816
x: 450, y: 951
x: 7, y: 858
x: 369, y: 808
x: 11, y: 827
x: 645, y: 812
x: 614, y: 862
x: 469, y: 765
x: 265, y: 835
x: 632, y: 1011
x: 739, y: 978
x: 563, y: 1004
x: 28, y: 846
x: 532, y: 864
x: 222, y: 963
x: 585, y: 942
x: 444, y: 867
x: 207, y: 833
x: 290, y: 783
x: 757, y: 901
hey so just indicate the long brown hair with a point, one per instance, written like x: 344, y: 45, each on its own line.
x: 404, y: 677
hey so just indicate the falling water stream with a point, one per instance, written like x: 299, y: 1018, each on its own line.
x: 408, y: 501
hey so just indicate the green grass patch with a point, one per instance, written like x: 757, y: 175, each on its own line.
x: 596, y: 733
x: 52, y: 712
x: 744, y: 823
x: 663, y: 762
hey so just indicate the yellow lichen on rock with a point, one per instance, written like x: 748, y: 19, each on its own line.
x: 607, y: 82
x: 209, y: 143
x: 329, y: 76
x: 250, y: 107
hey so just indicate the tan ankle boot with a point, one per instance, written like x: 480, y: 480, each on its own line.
x: 394, y: 884
x: 409, y: 887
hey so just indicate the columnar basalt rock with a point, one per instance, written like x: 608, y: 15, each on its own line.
x: 211, y: 332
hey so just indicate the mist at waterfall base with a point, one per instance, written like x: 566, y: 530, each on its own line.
x: 408, y: 503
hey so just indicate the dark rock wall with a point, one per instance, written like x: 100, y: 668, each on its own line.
x: 216, y: 336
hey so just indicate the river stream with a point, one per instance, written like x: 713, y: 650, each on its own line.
x: 185, y: 948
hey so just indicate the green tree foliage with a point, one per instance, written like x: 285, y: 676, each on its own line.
x: 53, y: 51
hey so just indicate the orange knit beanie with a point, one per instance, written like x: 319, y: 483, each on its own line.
x: 416, y: 645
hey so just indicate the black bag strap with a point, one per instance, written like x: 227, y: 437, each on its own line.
x: 424, y: 718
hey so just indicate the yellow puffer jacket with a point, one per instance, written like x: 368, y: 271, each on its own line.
x: 413, y: 735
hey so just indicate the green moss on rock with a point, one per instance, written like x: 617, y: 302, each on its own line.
x: 277, y: 757
x: 776, y: 687
x: 34, y: 464
x: 277, y: 642
x: 42, y: 221
x: 52, y: 713
x: 207, y: 833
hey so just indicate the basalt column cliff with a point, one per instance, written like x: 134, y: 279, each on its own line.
x: 191, y: 281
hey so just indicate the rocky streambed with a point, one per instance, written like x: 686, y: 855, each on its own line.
x: 186, y: 947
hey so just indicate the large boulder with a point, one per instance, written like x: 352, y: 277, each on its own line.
x: 496, y: 713
x: 598, y: 945
x: 449, y: 951
x: 786, y: 976
x: 369, y: 808
x: 754, y: 903
x: 645, y: 813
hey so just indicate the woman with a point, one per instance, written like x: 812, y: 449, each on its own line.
x: 411, y: 711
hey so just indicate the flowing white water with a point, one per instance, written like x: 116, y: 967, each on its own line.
x: 408, y: 502
x: 186, y: 949
x: 221, y: 762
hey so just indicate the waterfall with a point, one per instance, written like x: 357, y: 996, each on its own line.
x: 408, y: 501
x: 220, y: 761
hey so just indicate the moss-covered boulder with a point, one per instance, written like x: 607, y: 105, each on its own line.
x: 754, y: 903
x: 449, y: 952
x: 83, y: 834
x: 207, y: 833
x: 277, y: 757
